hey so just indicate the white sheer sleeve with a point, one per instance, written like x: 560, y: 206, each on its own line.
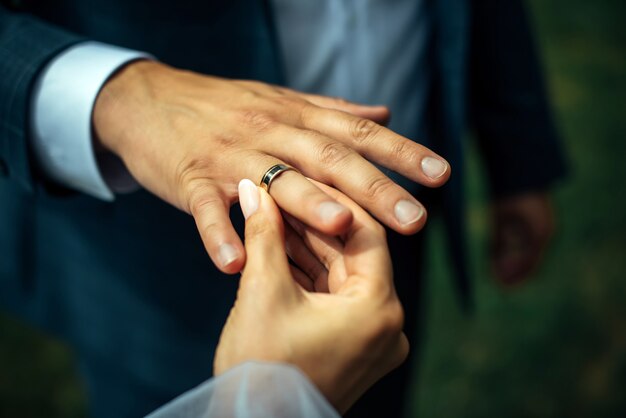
x: 252, y: 390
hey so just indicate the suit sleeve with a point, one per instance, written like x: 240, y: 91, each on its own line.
x: 508, y: 105
x: 26, y: 45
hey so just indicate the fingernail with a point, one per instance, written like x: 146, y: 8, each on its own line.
x: 248, y: 197
x: 434, y: 167
x: 328, y: 211
x: 408, y: 212
x: 227, y: 254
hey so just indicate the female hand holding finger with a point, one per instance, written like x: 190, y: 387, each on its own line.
x: 345, y: 340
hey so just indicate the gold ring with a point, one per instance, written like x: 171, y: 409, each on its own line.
x: 271, y: 174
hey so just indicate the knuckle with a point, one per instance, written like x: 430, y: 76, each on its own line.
x: 226, y: 141
x: 390, y: 321
x: 182, y: 121
x: 260, y: 122
x: 201, y: 199
x: 395, y: 321
x: 333, y: 153
x: 186, y: 169
x: 197, y: 191
x: 307, y: 113
x: 289, y: 102
x: 401, y: 352
x: 278, y: 91
x: 340, y: 101
x: 187, y: 175
x: 250, y: 90
x: 402, y: 150
x: 375, y: 187
x: 208, y: 229
x: 364, y: 130
x: 289, y: 107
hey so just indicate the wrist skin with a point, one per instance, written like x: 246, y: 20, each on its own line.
x: 127, y: 90
x: 128, y: 118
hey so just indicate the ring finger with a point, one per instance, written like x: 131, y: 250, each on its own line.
x: 296, y: 195
x: 337, y: 165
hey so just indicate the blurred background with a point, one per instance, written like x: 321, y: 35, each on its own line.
x: 555, y: 347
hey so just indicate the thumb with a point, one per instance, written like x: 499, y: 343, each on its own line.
x: 264, y: 237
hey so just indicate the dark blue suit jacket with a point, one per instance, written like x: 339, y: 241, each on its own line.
x: 128, y: 282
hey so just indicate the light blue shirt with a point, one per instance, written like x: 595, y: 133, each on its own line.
x: 367, y: 51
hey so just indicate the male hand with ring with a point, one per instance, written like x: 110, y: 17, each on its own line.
x: 190, y: 138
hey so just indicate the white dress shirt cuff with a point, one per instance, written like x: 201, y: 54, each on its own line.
x: 62, y: 134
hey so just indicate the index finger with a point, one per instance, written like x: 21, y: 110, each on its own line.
x: 379, y: 144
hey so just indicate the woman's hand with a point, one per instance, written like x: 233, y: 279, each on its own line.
x: 344, y: 340
x: 190, y: 138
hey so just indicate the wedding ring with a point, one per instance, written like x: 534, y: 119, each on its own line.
x: 271, y: 174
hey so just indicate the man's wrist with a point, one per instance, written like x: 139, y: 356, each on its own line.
x: 122, y: 94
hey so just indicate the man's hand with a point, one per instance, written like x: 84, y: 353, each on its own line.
x: 344, y: 340
x: 522, y: 228
x: 189, y: 139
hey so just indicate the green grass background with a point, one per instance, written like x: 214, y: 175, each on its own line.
x: 554, y: 348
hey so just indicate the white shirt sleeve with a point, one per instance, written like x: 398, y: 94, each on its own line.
x: 61, y: 108
x: 252, y: 390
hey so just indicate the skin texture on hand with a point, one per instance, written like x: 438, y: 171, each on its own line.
x: 521, y: 231
x: 190, y: 139
x: 344, y: 340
